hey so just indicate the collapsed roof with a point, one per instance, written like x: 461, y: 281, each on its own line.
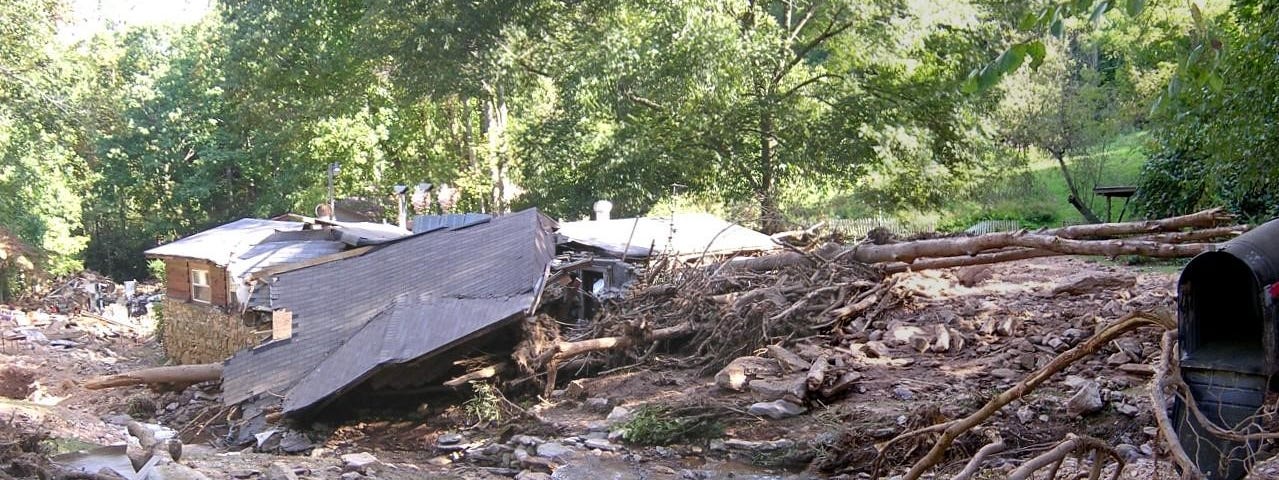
x: 685, y: 234
x: 403, y: 301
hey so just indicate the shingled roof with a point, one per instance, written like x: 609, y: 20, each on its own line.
x: 400, y: 302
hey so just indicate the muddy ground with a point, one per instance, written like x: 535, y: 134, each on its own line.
x: 1010, y: 322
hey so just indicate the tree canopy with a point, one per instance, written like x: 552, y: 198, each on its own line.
x: 765, y: 110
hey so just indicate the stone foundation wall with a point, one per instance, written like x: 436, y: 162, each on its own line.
x: 197, y: 333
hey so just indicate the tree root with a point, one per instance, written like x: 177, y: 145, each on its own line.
x: 1073, y: 444
x: 951, y: 430
x: 996, y: 445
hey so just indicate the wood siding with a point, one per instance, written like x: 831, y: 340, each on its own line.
x: 178, y: 280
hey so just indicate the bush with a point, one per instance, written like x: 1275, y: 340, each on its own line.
x: 652, y: 425
x: 156, y: 268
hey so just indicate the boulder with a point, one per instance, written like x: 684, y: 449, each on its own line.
x: 791, y: 386
x: 555, y: 451
x: 776, y: 410
x: 1094, y: 282
x: 358, y: 462
x: 1087, y: 400
x: 279, y: 471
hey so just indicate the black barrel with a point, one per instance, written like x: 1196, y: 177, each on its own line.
x: 1227, y: 336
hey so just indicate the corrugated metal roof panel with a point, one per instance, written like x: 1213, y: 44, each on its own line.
x: 220, y: 244
x: 428, y: 223
x: 505, y: 259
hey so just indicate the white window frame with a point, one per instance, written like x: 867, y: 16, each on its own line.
x: 200, y: 279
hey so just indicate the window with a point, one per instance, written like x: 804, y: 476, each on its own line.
x: 200, y: 289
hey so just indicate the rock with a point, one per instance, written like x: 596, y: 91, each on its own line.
x: 972, y: 275
x: 718, y: 445
x: 555, y: 451
x: 941, y: 338
x: 268, y: 441
x: 1131, y: 346
x: 903, y: 393
x: 351, y: 476
x: 777, y: 409
x: 1074, y: 336
x: 742, y: 370
x: 600, y: 444
x: 791, y: 386
x: 599, y: 405
x: 781, y: 444
x: 619, y: 414
x: 279, y: 471
x: 1127, y: 409
x: 1087, y: 400
x: 243, y: 473
x: 119, y: 419
x: 1128, y: 452
x: 1075, y: 381
x: 790, y: 361
x: 1025, y: 414
x: 901, y: 334
x: 449, y: 439
x: 527, y: 440
x: 358, y: 462
x: 1118, y: 358
x: 919, y: 343
x: 531, y: 475
x: 876, y: 349
x: 1004, y: 373
x: 576, y: 389
x: 295, y: 442
x: 440, y: 461
x: 1094, y: 282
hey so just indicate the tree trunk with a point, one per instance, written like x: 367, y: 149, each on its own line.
x: 1075, y: 200
x: 769, y: 217
x: 175, y: 375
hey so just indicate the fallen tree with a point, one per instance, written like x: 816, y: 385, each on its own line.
x: 176, y: 377
x: 1164, y: 238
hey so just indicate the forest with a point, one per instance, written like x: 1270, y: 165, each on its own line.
x: 768, y: 113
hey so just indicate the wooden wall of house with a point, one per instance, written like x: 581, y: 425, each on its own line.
x: 178, y: 280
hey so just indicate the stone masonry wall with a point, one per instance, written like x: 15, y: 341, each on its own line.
x: 197, y: 333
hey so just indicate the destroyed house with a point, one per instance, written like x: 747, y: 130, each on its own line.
x: 394, y: 316
x: 210, y: 307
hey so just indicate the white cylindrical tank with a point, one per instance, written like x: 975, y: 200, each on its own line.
x: 602, y: 209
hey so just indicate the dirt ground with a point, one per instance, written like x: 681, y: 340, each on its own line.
x: 1011, y: 323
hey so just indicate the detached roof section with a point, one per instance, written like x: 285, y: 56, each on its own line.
x: 221, y: 244
x: 685, y: 234
x: 430, y: 223
x: 401, y: 301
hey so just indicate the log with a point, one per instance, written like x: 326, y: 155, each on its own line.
x: 954, y: 247
x: 566, y: 350
x: 175, y: 375
x: 1203, y: 219
x: 481, y: 374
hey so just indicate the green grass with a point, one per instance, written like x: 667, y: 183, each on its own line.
x: 1119, y: 163
x: 1038, y: 195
